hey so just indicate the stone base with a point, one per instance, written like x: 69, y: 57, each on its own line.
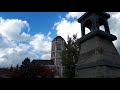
x: 99, y: 72
x: 98, y: 56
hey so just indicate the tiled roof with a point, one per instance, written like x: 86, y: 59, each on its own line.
x: 45, y: 62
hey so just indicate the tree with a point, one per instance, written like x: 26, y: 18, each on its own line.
x: 11, y: 68
x: 29, y: 70
x: 26, y: 61
x: 17, y: 67
x: 70, y: 56
x: 47, y: 72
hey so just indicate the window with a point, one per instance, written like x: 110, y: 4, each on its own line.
x: 102, y: 28
x: 58, y: 54
x: 58, y: 39
x: 58, y: 46
x: 53, y: 48
x: 53, y: 54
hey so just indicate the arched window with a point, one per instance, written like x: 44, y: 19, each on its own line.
x: 103, y: 25
x: 102, y: 28
x: 87, y: 26
x: 87, y: 30
x: 58, y: 46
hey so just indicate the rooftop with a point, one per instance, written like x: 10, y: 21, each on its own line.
x: 89, y: 13
x: 45, y: 62
x: 58, y: 37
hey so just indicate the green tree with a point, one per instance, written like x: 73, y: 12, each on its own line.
x: 25, y: 67
x: 70, y: 56
x: 17, y: 67
x: 26, y: 61
x: 29, y: 70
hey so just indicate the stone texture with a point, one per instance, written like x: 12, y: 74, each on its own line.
x: 98, y: 56
x: 97, y: 52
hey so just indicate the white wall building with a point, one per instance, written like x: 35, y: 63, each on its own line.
x: 56, y: 49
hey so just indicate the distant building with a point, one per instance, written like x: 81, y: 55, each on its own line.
x: 55, y: 61
x: 57, y: 47
x: 43, y: 62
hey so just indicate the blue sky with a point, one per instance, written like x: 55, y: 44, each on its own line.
x: 29, y: 34
x: 38, y: 21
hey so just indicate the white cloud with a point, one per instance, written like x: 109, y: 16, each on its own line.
x: 5, y: 43
x: 46, y: 56
x: 13, y: 49
x: 41, y: 44
x: 12, y: 54
x: 11, y: 29
x: 65, y: 28
x: 74, y: 14
x: 114, y: 24
x: 16, y: 55
x: 11, y: 32
x: 39, y: 47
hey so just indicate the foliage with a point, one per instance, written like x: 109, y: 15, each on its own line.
x: 70, y: 56
x: 28, y: 70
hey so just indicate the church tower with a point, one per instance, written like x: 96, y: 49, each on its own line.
x: 98, y: 56
x: 57, y: 47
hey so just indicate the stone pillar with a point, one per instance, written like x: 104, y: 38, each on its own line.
x: 95, y: 24
x: 82, y: 30
x: 106, y: 27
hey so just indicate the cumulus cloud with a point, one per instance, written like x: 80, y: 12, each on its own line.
x: 13, y: 49
x: 16, y: 55
x: 65, y: 28
x: 39, y: 47
x: 41, y: 43
x: 5, y: 43
x: 11, y: 33
x: 43, y: 47
x: 11, y: 29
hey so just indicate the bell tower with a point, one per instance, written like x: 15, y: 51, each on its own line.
x: 98, y: 56
x: 93, y: 21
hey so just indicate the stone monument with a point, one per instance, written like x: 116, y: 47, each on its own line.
x: 98, y: 56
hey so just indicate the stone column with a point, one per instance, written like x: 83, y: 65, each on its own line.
x: 106, y: 27
x: 82, y: 30
x: 95, y: 24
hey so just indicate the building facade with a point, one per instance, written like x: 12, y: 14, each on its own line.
x: 56, y: 49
